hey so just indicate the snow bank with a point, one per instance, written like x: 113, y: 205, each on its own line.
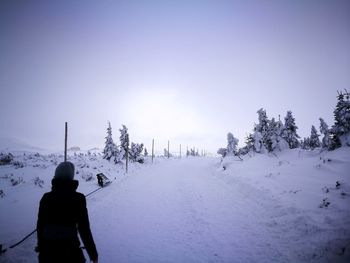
x: 311, y: 191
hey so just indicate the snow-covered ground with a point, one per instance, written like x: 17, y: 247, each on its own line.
x: 285, y: 208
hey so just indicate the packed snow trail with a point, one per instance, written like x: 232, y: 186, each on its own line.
x: 182, y: 213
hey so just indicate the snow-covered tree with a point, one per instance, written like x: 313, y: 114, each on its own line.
x: 232, y: 143
x: 135, y: 152
x: 340, y: 132
x: 305, y: 143
x: 249, y: 145
x: 289, y: 132
x: 110, y: 148
x: 145, y: 152
x: 231, y: 148
x: 272, y: 136
x: 260, y: 135
x: 326, y: 140
x: 258, y: 142
x: 167, y: 154
x: 262, y: 126
x: 314, y: 141
x: 193, y: 152
x: 124, y: 141
x: 222, y: 152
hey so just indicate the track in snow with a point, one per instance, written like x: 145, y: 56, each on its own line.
x: 179, y: 211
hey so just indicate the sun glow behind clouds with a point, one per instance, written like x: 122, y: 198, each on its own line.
x: 161, y: 112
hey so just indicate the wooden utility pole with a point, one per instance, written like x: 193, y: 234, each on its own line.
x: 168, y: 150
x: 152, y: 149
x: 65, y: 141
x: 127, y: 154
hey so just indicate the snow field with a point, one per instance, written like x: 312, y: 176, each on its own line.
x: 262, y: 209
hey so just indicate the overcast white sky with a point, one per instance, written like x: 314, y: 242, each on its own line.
x: 188, y: 71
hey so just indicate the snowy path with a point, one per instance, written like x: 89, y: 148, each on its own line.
x: 183, y: 213
x: 264, y: 209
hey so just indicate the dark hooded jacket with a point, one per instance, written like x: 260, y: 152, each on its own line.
x: 62, y: 214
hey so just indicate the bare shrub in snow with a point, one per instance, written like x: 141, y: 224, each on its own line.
x: 2, y: 194
x: 15, y: 181
x: 38, y: 182
x: 6, y: 158
x: 325, y: 203
x: 87, y: 176
x: 18, y: 164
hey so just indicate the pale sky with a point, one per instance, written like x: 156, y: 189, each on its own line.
x: 187, y: 71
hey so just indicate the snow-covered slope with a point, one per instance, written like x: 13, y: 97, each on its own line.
x: 261, y: 209
x: 16, y: 145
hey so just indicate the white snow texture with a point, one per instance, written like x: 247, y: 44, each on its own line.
x: 290, y: 207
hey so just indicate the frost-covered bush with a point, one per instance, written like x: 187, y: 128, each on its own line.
x: 38, y: 182
x: 15, y: 181
x: 167, y: 154
x: 87, y: 176
x: 222, y: 152
x: 135, y: 152
x: 18, y: 164
x: 6, y: 158
x: 325, y: 203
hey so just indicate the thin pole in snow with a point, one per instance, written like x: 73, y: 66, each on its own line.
x: 152, y: 149
x: 65, y: 140
x: 180, y: 150
x: 127, y: 155
x: 168, y: 150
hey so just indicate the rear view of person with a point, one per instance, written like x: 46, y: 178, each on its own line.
x: 62, y: 214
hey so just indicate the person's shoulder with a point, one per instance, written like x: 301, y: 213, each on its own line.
x: 45, y: 197
x: 79, y: 196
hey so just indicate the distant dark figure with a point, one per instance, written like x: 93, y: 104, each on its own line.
x: 62, y: 214
x: 99, y: 180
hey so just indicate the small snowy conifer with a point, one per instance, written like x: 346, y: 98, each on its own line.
x: 272, y: 136
x: 110, y: 147
x: 124, y: 141
x: 232, y: 143
x: 249, y: 145
x: 340, y: 132
x: 289, y: 132
x: 314, y: 140
x: 325, y: 131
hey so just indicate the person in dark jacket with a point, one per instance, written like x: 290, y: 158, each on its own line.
x: 62, y: 214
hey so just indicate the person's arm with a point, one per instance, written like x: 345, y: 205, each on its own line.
x: 85, y: 232
x: 40, y: 222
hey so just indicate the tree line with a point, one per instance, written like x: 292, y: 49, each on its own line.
x: 271, y: 135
